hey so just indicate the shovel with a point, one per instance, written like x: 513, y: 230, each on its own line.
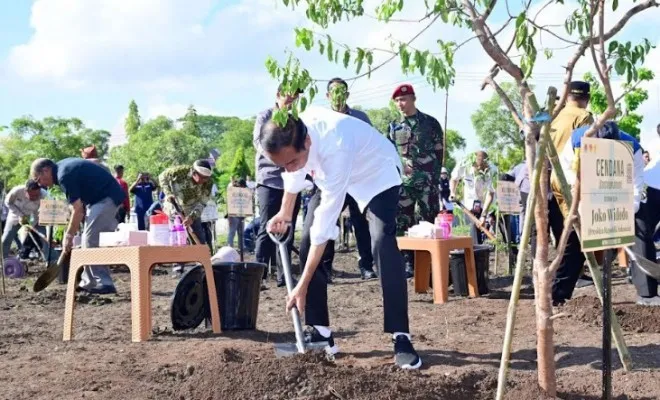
x: 475, y: 220
x: 48, y: 276
x: 645, y: 265
x: 289, y: 349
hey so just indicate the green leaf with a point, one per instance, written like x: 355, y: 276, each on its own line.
x: 347, y: 58
x: 321, y: 47
x: 330, y: 50
x: 520, y: 19
x: 359, y: 60
x: 303, y: 103
x: 615, y: 5
x: 370, y: 58
x: 612, y: 46
x: 620, y: 66
x: 548, y: 53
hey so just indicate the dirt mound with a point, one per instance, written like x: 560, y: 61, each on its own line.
x: 232, y: 374
x: 633, y: 318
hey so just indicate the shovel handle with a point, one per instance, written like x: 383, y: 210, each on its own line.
x: 288, y: 279
x: 191, y: 235
x: 475, y: 220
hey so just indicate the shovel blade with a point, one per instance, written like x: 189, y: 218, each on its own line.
x: 645, y: 265
x: 649, y: 268
x: 290, y: 349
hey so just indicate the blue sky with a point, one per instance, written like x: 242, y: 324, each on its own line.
x: 89, y: 58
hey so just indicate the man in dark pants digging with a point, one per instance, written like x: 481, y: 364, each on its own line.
x: 95, y: 196
x: 270, y: 190
x: 328, y: 143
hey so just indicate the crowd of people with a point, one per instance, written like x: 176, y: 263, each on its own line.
x: 330, y: 161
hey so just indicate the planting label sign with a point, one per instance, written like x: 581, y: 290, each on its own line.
x: 239, y: 202
x: 508, y: 197
x: 606, y: 210
x: 53, y: 212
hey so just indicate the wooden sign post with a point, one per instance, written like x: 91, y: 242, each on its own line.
x: 508, y: 202
x: 240, y: 205
x: 51, y: 213
x: 608, y: 218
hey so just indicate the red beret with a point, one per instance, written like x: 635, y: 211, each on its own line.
x: 402, y: 90
x: 89, y: 152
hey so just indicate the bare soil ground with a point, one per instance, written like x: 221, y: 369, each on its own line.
x: 460, y: 343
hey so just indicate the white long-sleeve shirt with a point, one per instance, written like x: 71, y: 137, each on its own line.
x: 347, y: 156
x: 652, y: 173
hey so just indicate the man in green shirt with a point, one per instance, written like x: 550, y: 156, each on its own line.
x: 191, y: 188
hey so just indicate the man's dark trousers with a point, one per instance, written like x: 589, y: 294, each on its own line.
x: 270, y: 201
x: 360, y: 226
x: 381, y: 219
x: 571, y: 264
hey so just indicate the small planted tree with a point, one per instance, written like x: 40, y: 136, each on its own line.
x: 516, y: 56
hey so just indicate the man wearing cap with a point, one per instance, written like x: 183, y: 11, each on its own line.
x: 337, y: 95
x: 569, y: 157
x: 270, y: 189
x: 89, y: 153
x: 94, y: 196
x: 23, y: 203
x: 191, y: 188
x: 347, y: 157
x: 574, y: 115
x: 418, y: 138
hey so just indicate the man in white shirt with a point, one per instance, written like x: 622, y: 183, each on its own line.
x: 645, y: 284
x: 23, y: 202
x: 347, y: 156
x: 477, y: 174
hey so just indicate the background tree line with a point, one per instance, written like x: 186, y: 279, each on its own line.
x: 155, y: 144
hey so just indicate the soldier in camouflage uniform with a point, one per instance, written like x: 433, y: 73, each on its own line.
x: 191, y: 188
x: 418, y: 138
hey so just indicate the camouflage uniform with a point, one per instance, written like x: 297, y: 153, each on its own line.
x: 418, y: 140
x: 191, y: 197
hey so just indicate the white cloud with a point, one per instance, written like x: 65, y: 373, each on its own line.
x: 177, y: 52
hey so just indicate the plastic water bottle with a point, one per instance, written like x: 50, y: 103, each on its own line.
x: 177, y: 232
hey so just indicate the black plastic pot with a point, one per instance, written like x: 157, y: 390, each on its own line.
x: 238, y: 286
x: 458, y: 272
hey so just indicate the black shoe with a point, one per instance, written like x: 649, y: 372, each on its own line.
x: 582, y: 282
x: 405, y: 356
x: 282, y: 282
x: 410, y: 272
x: 368, y: 274
x: 312, y: 336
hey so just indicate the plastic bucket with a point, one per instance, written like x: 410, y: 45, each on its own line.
x: 238, y: 286
x: 159, y: 230
x: 458, y: 272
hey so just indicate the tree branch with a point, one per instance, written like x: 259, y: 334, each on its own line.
x: 489, y: 9
x: 587, y: 42
x: 490, y: 44
x: 545, y: 29
x: 394, y: 55
x: 490, y: 80
x: 630, y: 89
x: 542, y: 8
